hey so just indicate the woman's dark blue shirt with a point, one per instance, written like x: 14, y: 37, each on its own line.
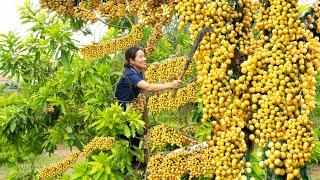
x: 127, y: 89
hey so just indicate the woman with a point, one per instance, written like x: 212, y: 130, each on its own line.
x: 131, y: 82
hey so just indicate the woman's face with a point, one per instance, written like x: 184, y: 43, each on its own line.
x: 139, y: 61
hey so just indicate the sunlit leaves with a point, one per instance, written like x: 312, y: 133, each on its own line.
x: 113, y: 121
x: 37, y: 56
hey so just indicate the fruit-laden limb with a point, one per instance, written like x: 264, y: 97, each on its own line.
x: 193, y: 50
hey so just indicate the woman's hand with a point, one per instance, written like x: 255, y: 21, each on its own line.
x: 175, y: 84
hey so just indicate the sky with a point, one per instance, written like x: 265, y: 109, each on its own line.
x: 9, y: 16
x: 9, y: 21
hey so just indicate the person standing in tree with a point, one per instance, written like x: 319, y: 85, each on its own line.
x: 132, y: 83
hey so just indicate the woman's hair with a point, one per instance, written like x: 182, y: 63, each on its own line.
x: 131, y: 53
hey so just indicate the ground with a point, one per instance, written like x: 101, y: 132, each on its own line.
x: 41, y: 161
x: 315, y: 171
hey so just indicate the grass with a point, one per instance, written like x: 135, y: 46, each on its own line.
x: 315, y: 114
x: 315, y: 171
x: 40, y: 162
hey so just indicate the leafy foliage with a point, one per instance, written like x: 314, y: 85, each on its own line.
x: 99, y: 168
x: 37, y: 56
x: 315, y: 157
x: 257, y: 171
x: 204, y: 131
x: 50, y: 110
x: 114, y: 121
x: 174, y: 43
x: 114, y: 164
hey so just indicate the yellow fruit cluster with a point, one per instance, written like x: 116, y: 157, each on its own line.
x: 138, y: 105
x: 134, y: 7
x: 162, y: 135
x: 156, y: 34
x: 261, y: 77
x: 97, y: 143
x: 169, y: 100
x: 316, y: 8
x: 166, y: 71
x: 149, y: 11
x: 222, y: 158
x: 152, y: 12
x: 90, y: 10
x: 60, y: 6
x: 191, y: 128
x: 108, y: 47
x: 216, y: 58
x: 59, y: 167
x: 282, y: 78
x: 286, y: 155
x: 85, y: 10
x: 112, y: 10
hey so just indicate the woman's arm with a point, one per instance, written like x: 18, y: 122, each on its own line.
x: 150, y: 87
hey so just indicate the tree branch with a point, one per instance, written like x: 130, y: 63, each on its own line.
x: 188, y: 149
x: 193, y: 50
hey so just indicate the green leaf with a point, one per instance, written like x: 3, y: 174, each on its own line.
x: 126, y: 131
x: 305, y: 173
x: 304, y: 9
x: 69, y: 129
x: 96, y: 166
x: 133, y: 131
x: 13, y: 126
x: 98, y: 175
x: 107, y: 169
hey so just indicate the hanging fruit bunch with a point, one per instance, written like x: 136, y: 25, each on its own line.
x: 162, y: 135
x: 256, y: 71
x: 65, y: 7
x: 156, y: 14
x: 203, y: 159
x: 59, y: 167
x: 316, y: 17
x: 152, y: 13
x: 86, y: 10
x: 112, y: 10
x: 95, y: 51
x: 168, y: 100
x: 156, y: 34
x: 139, y: 103
x: 97, y: 143
x: 166, y: 70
